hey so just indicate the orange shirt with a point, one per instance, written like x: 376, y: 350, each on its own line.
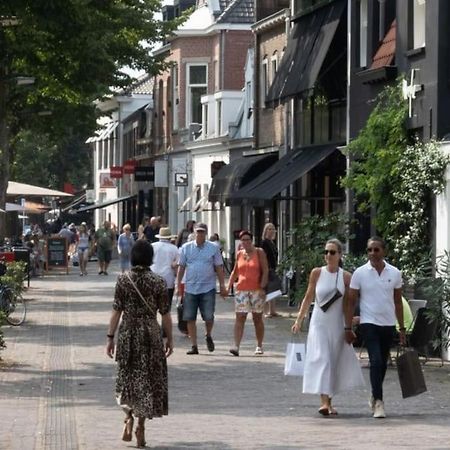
x: 249, y: 272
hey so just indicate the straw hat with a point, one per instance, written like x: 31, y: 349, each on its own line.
x: 164, y: 233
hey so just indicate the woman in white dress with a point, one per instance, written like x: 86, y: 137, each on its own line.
x: 331, y: 365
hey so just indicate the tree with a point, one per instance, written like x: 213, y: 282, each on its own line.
x: 75, y: 50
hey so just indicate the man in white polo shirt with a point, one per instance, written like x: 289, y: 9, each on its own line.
x: 378, y: 285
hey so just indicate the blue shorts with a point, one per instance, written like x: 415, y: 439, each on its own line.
x: 205, y: 302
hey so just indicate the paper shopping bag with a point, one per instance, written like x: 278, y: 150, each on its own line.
x: 295, y: 359
x: 410, y: 374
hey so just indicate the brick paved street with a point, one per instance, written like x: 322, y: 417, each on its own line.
x: 57, y: 385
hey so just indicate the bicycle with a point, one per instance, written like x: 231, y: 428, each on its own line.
x: 11, y: 304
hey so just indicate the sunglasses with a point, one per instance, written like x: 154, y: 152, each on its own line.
x: 373, y: 249
x: 331, y: 252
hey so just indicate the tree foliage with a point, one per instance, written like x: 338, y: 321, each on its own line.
x: 75, y: 50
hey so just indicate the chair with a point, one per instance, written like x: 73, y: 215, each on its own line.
x: 422, y: 333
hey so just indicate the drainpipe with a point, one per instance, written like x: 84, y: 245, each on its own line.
x: 348, y: 193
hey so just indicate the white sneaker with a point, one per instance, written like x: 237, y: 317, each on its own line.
x: 259, y: 351
x: 372, y: 403
x: 378, y: 411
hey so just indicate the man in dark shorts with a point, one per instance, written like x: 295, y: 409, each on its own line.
x: 104, y: 242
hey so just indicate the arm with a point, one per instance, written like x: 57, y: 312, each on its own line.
x: 221, y: 277
x: 399, y: 313
x: 180, y: 275
x: 307, y: 300
x: 166, y: 321
x: 113, y: 322
x: 349, y: 308
x: 234, y: 274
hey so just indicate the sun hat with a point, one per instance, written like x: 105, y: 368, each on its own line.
x: 164, y: 233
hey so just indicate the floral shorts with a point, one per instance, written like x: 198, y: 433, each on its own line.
x: 248, y: 301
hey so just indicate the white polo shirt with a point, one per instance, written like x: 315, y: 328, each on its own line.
x: 376, y: 293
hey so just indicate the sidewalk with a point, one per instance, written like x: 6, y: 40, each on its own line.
x: 57, y: 387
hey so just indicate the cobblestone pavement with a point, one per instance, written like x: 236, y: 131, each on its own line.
x: 56, y: 387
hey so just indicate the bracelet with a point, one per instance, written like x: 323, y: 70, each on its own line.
x: 347, y: 329
x: 110, y: 336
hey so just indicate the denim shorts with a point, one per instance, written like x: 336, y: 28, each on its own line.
x: 205, y: 302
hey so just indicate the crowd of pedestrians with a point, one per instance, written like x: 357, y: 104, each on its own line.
x: 188, y: 264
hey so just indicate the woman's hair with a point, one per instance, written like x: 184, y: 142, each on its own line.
x: 127, y: 226
x: 266, y: 227
x: 190, y: 225
x: 339, y: 247
x: 245, y: 233
x: 142, y: 253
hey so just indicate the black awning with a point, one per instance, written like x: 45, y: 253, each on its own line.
x: 283, y: 173
x: 238, y: 173
x: 307, y: 48
x: 107, y: 203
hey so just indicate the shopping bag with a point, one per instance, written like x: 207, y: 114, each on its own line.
x: 410, y: 373
x: 295, y: 359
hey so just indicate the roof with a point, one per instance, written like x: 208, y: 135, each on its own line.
x: 386, y: 52
x: 143, y: 85
x: 236, y: 11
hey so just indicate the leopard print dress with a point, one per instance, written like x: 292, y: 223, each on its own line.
x: 141, y: 383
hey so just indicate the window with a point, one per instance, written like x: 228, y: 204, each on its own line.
x: 363, y: 19
x: 264, y: 81
x: 219, y: 117
x: 273, y: 65
x: 197, y: 85
x: 418, y: 23
x: 175, y: 96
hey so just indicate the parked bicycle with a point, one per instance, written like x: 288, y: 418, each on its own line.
x: 11, y: 303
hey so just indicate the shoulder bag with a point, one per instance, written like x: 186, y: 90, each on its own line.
x: 330, y: 298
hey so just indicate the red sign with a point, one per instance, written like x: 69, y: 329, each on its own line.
x: 129, y: 165
x: 116, y: 171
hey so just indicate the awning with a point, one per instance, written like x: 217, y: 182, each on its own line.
x: 190, y: 198
x: 28, y: 190
x: 284, y: 172
x: 308, y: 45
x: 105, y: 204
x: 238, y: 173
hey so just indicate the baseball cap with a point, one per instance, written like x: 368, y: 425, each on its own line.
x: 201, y: 226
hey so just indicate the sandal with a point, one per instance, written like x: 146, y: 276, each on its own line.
x: 332, y: 411
x: 324, y: 411
x: 127, y: 433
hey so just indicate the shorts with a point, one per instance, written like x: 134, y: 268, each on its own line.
x: 83, y: 254
x: 205, y: 302
x: 248, y: 301
x: 104, y: 255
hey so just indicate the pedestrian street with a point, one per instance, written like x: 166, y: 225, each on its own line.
x: 57, y: 386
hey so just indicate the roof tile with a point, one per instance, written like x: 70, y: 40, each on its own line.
x: 386, y: 52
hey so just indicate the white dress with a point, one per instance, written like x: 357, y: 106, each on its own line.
x: 331, y: 365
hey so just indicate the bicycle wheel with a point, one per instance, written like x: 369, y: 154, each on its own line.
x: 17, y: 310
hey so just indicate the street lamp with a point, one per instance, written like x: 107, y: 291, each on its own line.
x: 24, y: 81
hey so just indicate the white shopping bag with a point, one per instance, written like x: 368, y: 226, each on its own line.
x: 294, y: 363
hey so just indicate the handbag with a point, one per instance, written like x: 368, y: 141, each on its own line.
x: 182, y: 324
x: 331, y: 297
x: 274, y: 282
x: 294, y: 363
x: 410, y: 375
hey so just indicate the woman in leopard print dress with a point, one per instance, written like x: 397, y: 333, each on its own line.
x: 141, y: 385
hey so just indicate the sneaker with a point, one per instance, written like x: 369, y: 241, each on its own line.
x: 193, y: 351
x: 210, y: 343
x: 259, y: 351
x: 378, y: 411
x: 371, y: 403
x: 234, y: 351
x: 101, y: 272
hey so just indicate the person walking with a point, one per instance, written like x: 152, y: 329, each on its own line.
x: 152, y: 229
x: 183, y: 235
x: 268, y: 237
x: 201, y: 260
x: 83, y: 245
x: 251, y: 272
x: 104, y: 243
x: 141, y: 383
x: 165, y: 260
x: 124, y: 246
x: 378, y: 286
x: 331, y: 365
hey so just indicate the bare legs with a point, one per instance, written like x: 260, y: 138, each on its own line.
x: 239, y: 325
x: 325, y: 406
x: 140, y: 432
